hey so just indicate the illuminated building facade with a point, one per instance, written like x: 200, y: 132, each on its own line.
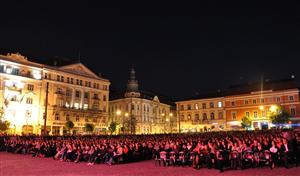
x: 202, y: 114
x: 74, y: 93
x: 257, y: 101
x: 225, y: 110
x: 140, y: 112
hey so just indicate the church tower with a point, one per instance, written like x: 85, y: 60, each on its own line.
x: 132, y: 85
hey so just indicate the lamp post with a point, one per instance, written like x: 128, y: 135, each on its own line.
x: 126, y: 115
x: 118, y: 113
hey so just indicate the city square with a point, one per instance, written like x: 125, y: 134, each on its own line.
x: 149, y: 89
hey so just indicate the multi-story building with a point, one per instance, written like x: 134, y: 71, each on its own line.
x: 257, y: 101
x: 70, y: 92
x: 225, y: 110
x: 203, y: 113
x: 140, y: 112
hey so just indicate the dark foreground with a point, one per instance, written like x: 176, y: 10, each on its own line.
x: 24, y: 165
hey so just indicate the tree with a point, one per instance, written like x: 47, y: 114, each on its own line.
x: 4, y: 124
x: 246, y: 122
x: 280, y: 117
x: 112, y: 127
x: 69, y: 125
x: 89, y: 127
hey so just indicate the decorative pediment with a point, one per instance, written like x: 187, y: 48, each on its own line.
x: 79, y: 68
x: 17, y: 57
x: 156, y: 99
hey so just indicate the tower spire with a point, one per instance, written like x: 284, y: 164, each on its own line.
x: 132, y: 84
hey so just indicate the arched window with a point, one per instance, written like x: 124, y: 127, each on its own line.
x: 212, y: 116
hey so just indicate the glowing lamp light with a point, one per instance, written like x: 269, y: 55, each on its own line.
x: 167, y: 120
x: 126, y: 114
x: 261, y: 107
x: 273, y: 108
x: 171, y: 114
x: 118, y: 112
x: 163, y: 114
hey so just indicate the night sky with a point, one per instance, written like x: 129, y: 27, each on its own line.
x: 177, y: 49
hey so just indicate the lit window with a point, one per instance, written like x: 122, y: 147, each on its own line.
x: 36, y: 74
x: 255, y: 114
x: 189, y: 107
x: 220, y: 115
x: 196, y: 106
x: 211, y: 105
x: 247, y: 114
x: 254, y: 101
x: 220, y: 104
x: 85, y: 106
x: 291, y: 98
x: 212, y: 116
x: 246, y: 102
x: 76, y: 105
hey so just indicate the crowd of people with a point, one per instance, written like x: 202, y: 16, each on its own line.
x: 220, y: 150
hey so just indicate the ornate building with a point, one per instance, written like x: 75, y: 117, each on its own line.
x: 225, y: 110
x: 73, y: 92
x: 140, y: 112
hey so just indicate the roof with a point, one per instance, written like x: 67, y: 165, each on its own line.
x: 247, y: 88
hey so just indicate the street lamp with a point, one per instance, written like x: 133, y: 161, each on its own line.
x: 171, y: 116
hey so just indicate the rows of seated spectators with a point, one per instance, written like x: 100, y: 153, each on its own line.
x: 220, y: 150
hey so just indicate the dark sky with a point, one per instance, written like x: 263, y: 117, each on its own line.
x: 177, y: 49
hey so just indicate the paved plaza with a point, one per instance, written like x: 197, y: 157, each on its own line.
x: 25, y: 165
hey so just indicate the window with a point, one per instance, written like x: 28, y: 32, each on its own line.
x: 1, y: 68
x: 233, y: 115
x: 104, y: 97
x: 15, y: 71
x: 181, y: 107
x: 270, y: 99
x: 86, y: 120
x: 291, y: 98
x: 212, y: 116
x: 68, y: 93
x: 80, y: 82
x: 263, y: 113
x: 77, y: 93
x: 60, y: 103
x: 57, y: 116
x: 220, y: 115
x: 254, y: 101
x: 232, y: 103
x: 220, y: 104
x: 246, y: 102
x: 85, y: 83
x: 196, y: 106
x: 293, y: 111
x: 86, y: 95
x: 68, y: 80
x: 77, y: 118
x: 182, y: 117
x: 204, y: 116
x: 196, y: 117
x: 72, y: 80
x: 189, y: 117
x: 77, y: 81
x: 278, y: 99
x: 30, y: 87
x: 76, y: 105
x: 67, y: 117
x: 58, y: 78
x: 262, y: 100
x: 203, y: 105
x: 189, y: 107
x: 255, y: 114
x: 247, y: 114
x: 89, y: 84
x: 85, y: 106
x: 29, y: 100
x: 211, y: 105
x: 62, y: 79
x: 96, y: 96
x: 59, y: 90
x: 95, y: 85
